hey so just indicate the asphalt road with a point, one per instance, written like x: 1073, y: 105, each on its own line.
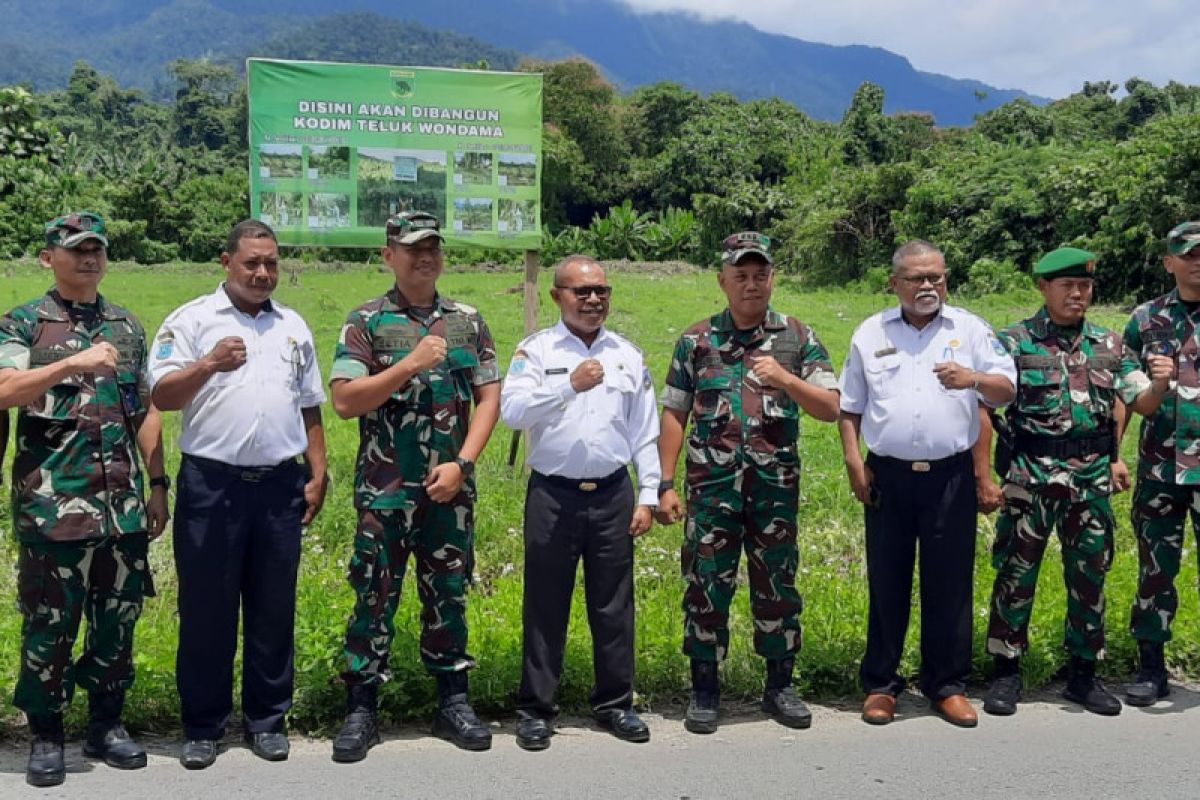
x: 1051, y: 748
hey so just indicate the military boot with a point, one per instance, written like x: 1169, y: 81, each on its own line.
x: 47, y: 766
x: 360, y: 731
x: 706, y: 697
x: 1150, y: 683
x: 1084, y: 688
x: 456, y: 721
x: 779, y: 697
x: 1005, y: 692
x: 106, y: 736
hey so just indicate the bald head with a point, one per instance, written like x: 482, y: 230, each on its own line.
x: 578, y: 270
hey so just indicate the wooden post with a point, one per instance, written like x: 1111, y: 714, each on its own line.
x: 531, y: 315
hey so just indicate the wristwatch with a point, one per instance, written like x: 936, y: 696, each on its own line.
x: 466, y: 465
x: 161, y: 480
x: 666, y: 486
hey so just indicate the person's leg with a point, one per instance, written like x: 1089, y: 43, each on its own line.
x: 608, y: 585
x: 1158, y: 514
x: 711, y: 550
x: 1022, y: 532
x: 51, y: 591
x: 1087, y: 549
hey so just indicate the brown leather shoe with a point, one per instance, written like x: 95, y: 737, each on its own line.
x: 879, y: 709
x: 957, y: 710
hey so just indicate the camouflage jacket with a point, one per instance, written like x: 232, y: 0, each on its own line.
x: 1169, y: 446
x: 1068, y: 381
x: 735, y: 417
x: 76, y: 474
x: 425, y: 421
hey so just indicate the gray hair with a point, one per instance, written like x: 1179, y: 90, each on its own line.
x: 571, y: 260
x: 913, y: 247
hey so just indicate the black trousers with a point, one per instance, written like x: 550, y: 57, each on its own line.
x: 237, y: 548
x: 563, y: 525
x: 937, y: 509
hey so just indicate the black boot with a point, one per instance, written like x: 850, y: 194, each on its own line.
x: 780, y: 699
x: 1005, y: 692
x: 1084, y: 688
x: 706, y: 697
x: 106, y: 736
x: 360, y: 731
x: 46, y: 764
x: 456, y: 720
x: 1150, y: 683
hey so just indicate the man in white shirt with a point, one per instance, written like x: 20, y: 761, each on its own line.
x: 585, y: 397
x: 911, y: 387
x: 243, y: 369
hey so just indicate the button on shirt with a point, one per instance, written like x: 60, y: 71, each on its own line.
x: 584, y: 434
x: 249, y: 417
x: 889, y: 380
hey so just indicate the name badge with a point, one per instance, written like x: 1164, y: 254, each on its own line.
x: 557, y: 371
x: 887, y: 351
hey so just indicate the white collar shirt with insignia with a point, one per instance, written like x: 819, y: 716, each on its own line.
x: 889, y: 380
x: 249, y: 417
x: 584, y: 434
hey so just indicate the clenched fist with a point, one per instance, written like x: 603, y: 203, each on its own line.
x: 588, y: 375
x: 428, y: 353
x: 228, y: 354
x: 97, y: 358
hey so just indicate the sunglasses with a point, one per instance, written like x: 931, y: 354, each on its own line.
x: 584, y: 292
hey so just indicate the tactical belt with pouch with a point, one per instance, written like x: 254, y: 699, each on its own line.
x: 1100, y: 443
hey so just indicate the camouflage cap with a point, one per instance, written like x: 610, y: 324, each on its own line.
x: 1066, y: 262
x: 411, y: 227
x: 1183, y: 238
x: 739, y: 245
x: 74, y: 228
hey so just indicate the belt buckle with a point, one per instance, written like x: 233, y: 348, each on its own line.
x: 920, y: 466
x: 587, y: 486
x: 252, y: 475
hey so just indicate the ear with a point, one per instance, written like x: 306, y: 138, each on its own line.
x: 225, y: 260
x: 44, y: 258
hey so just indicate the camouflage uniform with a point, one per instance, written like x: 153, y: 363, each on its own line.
x: 743, y: 473
x: 78, y: 509
x: 1067, y: 386
x: 423, y: 424
x: 1168, y: 475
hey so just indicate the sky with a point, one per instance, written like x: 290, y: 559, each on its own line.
x: 1046, y: 47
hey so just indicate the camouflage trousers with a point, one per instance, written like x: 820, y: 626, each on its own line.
x: 1085, y: 530
x: 752, y: 510
x: 60, y: 583
x: 440, y: 536
x: 1159, y: 511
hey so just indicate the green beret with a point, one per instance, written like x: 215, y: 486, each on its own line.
x: 1066, y: 262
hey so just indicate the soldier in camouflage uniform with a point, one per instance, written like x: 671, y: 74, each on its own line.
x: 745, y: 376
x: 1168, y: 476
x: 75, y: 366
x: 1072, y: 376
x: 408, y: 365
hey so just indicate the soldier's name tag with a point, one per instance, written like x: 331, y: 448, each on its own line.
x: 1037, y: 362
x: 556, y: 371
x: 887, y: 351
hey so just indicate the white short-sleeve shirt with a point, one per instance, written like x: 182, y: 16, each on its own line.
x: 889, y: 380
x: 249, y: 417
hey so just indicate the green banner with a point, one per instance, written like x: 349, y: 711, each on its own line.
x: 335, y: 149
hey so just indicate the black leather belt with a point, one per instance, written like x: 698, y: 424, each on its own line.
x: 1061, y: 447
x: 583, y: 484
x: 247, y: 474
x: 931, y: 465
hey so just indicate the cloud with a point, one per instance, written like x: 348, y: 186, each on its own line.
x: 1048, y: 47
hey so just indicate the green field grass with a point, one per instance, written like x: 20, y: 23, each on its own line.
x: 652, y: 310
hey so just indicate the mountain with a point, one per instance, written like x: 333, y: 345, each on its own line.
x: 134, y: 39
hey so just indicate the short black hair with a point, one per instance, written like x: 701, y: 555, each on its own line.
x: 248, y: 229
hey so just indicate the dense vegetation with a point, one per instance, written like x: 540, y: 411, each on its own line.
x: 664, y: 173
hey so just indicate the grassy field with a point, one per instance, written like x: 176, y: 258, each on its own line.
x: 651, y: 310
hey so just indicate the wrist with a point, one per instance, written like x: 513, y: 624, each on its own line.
x: 466, y: 466
x: 975, y: 380
x: 666, y: 485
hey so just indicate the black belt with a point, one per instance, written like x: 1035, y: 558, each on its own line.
x: 1060, y: 447
x: 929, y: 465
x: 247, y: 474
x: 583, y: 484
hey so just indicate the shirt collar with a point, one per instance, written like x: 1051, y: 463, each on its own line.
x: 399, y: 302
x: 1040, y: 325
x: 945, y: 316
x: 223, y: 303
x: 53, y: 307
x: 773, y: 321
x: 563, y: 332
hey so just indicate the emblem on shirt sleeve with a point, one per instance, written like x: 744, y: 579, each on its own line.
x: 647, y: 381
x: 519, y: 361
x: 166, y: 345
x: 997, y: 347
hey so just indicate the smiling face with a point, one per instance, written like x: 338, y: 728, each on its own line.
x: 77, y: 270
x: 1186, y: 271
x: 582, y: 294
x: 251, y: 272
x: 418, y: 266
x: 1067, y: 299
x: 747, y: 286
x: 920, y: 283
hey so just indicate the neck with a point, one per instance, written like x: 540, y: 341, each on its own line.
x: 77, y: 295
x: 241, y: 305
x: 1064, y: 323
x: 1188, y: 293
x: 918, y: 321
x: 422, y: 295
x: 744, y: 322
x: 587, y: 337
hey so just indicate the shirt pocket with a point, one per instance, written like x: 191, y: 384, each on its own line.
x: 1040, y: 384
x: 61, y: 403
x: 883, y: 376
x: 1102, y: 378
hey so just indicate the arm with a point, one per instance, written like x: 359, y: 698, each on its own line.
x: 643, y: 427
x: 149, y: 441
x: 988, y: 491
x: 1162, y: 372
x: 445, y: 481
x: 318, y: 464
x: 816, y: 401
x: 525, y: 399
x: 849, y: 427
x: 176, y: 389
x: 1118, y: 469
x: 19, y: 387
x: 361, y: 395
x: 670, y: 442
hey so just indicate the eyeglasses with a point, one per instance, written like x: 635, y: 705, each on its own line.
x: 584, y: 292
x: 920, y: 280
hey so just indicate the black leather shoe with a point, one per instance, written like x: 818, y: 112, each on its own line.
x: 1003, y: 695
x: 269, y: 745
x: 198, y: 753
x: 114, y: 745
x: 456, y: 722
x: 623, y: 723
x: 533, y: 733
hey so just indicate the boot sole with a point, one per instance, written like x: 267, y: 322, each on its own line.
x: 694, y: 726
x: 131, y: 763
x: 798, y: 723
x: 1103, y: 712
x: 1140, y: 701
x: 999, y: 711
x: 462, y: 744
x: 43, y: 781
x: 354, y: 756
